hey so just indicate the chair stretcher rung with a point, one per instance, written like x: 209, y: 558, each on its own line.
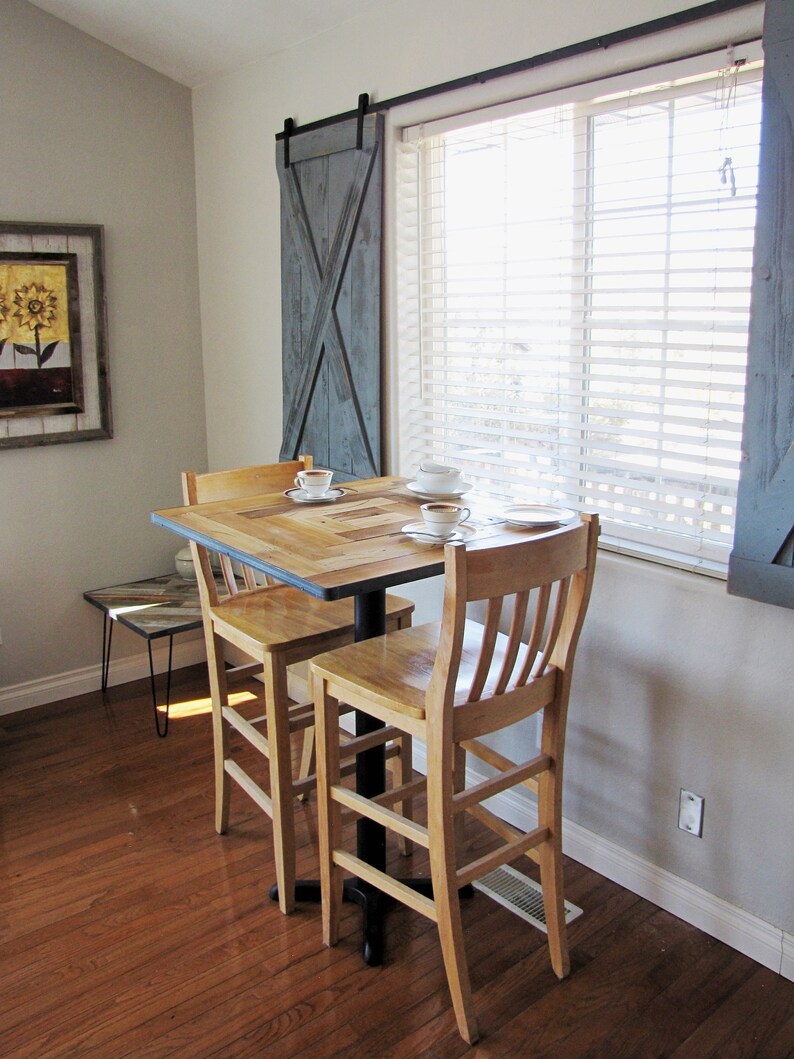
x: 509, y: 778
x: 246, y: 730
x: 500, y: 856
x: 380, y: 815
x: 253, y: 790
x: 246, y: 669
x: 308, y: 783
x: 495, y: 759
x: 300, y: 718
x: 384, y: 882
x: 399, y: 794
x: 359, y: 743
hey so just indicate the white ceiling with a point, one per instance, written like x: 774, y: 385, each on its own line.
x: 193, y: 41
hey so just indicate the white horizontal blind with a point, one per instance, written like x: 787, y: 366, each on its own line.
x: 573, y: 298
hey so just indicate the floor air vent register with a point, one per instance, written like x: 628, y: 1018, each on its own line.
x: 520, y: 895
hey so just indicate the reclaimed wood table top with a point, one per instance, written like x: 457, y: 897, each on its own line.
x: 156, y: 606
x: 333, y: 549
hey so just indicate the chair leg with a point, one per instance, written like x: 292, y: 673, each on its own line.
x: 403, y: 772
x: 551, y: 875
x: 219, y: 697
x: 308, y: 759
x: 550, y: 859
x: 329, y: 812
x: 278, y: 737
x: 550, y: 852
x: 403, y: 767
x: 459, y: 784
x: 442, y: 827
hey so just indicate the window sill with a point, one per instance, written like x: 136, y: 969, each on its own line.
x: 651, y: 554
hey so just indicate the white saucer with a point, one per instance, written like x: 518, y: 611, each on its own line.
x: 417, y: 532
x: 300, y: 496
x: 452, y: 494
x: 537, y: 515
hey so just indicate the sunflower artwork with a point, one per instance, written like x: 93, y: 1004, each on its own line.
x: 40, y: 369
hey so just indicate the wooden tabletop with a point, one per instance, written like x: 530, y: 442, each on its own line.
x: 330, y: 550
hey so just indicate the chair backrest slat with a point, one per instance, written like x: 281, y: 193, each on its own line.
x: 490, y: 632
x: 536, y: 635
x: 553, y: 564
x: 228, y: 575
x: 520, y: 605
x: 554, y: 629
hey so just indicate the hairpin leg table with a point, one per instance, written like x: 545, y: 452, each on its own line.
x: 153, y: 608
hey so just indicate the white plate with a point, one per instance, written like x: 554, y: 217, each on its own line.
x: 417, y: 532
x: 300, y: 496
x: 537, y: 515
x: 453, y: 494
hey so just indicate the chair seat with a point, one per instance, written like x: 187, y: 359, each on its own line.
x: 394, y: 670
x: 279, y: 617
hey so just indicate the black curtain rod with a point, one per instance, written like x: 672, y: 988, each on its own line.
x: 645, y: 29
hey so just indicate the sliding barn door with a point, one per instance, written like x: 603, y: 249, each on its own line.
x: 331, y: 218
x: 762, y: 563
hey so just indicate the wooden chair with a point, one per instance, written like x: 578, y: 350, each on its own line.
x: 277, y: 626
x: 450, y: 683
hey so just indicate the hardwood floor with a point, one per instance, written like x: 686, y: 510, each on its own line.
x: 129, y: 928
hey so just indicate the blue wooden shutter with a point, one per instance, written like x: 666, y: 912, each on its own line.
x: 762, y: 564
x: 331, y: 220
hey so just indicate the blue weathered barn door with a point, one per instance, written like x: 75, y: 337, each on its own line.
x: 331, y: 219
x: 762, y: 563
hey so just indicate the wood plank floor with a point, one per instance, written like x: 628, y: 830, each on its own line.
x: 129, y: 928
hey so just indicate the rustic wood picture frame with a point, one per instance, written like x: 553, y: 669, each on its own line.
x: 54, y: 379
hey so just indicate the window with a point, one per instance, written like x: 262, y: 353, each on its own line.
x: 574, y: 286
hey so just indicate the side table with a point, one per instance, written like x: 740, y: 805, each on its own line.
x: 153, y: 608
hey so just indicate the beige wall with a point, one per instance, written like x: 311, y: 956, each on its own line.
x: 678, y: 684
x: 89, y: 136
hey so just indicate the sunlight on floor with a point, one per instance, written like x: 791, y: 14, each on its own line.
x: 194, y: 707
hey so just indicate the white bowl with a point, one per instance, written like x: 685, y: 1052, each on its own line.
x: 183, y: 561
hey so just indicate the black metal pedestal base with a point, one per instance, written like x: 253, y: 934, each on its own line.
x: 372, y: 902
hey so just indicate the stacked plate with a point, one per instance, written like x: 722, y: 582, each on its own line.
x: 535, y: 515
x: 450, y: 494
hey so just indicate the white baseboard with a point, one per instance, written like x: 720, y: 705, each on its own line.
x: 25, y: 696
x: 762, y: 942
x: 787, y: 959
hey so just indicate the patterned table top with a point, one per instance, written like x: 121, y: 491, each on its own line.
x: 157, y: 606
x: 330, y: 550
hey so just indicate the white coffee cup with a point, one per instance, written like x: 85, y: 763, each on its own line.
x: 437, y: 478
x: 442, y: 519
x: 315, y: 482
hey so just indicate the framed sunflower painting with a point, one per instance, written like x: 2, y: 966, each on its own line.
x: 54, y: 383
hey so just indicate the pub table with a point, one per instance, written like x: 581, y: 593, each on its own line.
x: 352, y: 546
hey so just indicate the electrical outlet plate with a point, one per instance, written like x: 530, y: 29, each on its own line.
x: 690, y: 813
